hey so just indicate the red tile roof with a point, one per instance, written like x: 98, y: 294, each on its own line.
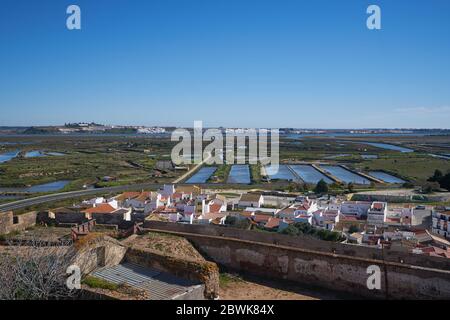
x: 287, y: 211
x: 261, y: 218
x: 101, y: 208
x: 128, y: 195
x: 272, y: 223
x: 144, y: 196
x: 214, y: 208
x: 247, y: 214
x: 378, y: 205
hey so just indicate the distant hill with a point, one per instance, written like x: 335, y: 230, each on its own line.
x: 41, y: 130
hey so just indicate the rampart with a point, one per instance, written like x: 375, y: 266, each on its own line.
x: 318, y: 263
x: 11, y: 223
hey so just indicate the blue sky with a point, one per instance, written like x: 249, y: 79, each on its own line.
x: 249, y: 63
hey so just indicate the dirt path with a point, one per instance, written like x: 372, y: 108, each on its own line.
x: 252, y: 289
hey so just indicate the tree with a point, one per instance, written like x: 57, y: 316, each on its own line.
x: 445, y: 182
x: 437, y: 176
x: 290, y: 230
x: 353, y: 229
x: 321, y: 187
x: 305, y: 228
x: 35, y: 272
x: 429, y: 187
x: 230, y: 220
x: 329, y: 235
x: 408, y: 185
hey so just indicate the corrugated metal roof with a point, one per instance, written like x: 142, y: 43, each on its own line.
x: 159, y: 285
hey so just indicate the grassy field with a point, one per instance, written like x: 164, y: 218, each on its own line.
x: 221, y: 173
x: 413, y: 167
x: 132, y: 159
x: 86, y: 160
x: 255, y: 173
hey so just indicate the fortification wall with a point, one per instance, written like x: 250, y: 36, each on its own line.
x: 11, y: 223
x: 318, y: 263
x: 305, y: 242
x: 205, y: 272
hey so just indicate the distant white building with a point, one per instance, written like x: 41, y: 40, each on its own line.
x: 94, y: 201
x: 441, y: 223
x: 399, y: 216
x: 214, y: 218
x: 326, y: 219
x: 305, y: 208
x: 356, y: 209
x: 376, y: 214
x: 267, y: 211
x: 254, y: 200
x: 213, y: 206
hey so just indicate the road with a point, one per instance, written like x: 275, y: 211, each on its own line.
x: 19, y: 204
x: 187, y: 174
x: 72, y: 194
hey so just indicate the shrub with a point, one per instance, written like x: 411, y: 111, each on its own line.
x: 95, y: 282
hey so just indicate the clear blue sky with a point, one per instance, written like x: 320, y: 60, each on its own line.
x: 250, y: 63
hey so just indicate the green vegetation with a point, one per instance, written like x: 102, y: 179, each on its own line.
x: 60, y: 203
x: 301, y: 228
x: 237, y: 223
x: 255, y: 173
x: 132, y: 159
x: 12, y: 234
x: 226, y: 279
x: 414, y: 167
x: 321, y: 187
x: 86, y: 161
x: 95, y: 282
x: 221, y: 173
x: 442, y: 180
x: 297, y: 187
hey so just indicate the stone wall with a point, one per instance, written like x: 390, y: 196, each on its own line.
x: 80, y: 217
x: 278, y: 201
x: 305, y: 242
x: 205, y: 272
x: 438, y: 197
x: 58, y: 218
x: 11, y: 223
x: 111, y: 218
x: 6, y: 221
x: 97, y: 251
x: 315, y: 262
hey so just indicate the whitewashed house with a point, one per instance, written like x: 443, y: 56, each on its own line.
x: 441, y: 223
x: 377, y: 212
x: 356, y: 209
x: 254, y: 200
